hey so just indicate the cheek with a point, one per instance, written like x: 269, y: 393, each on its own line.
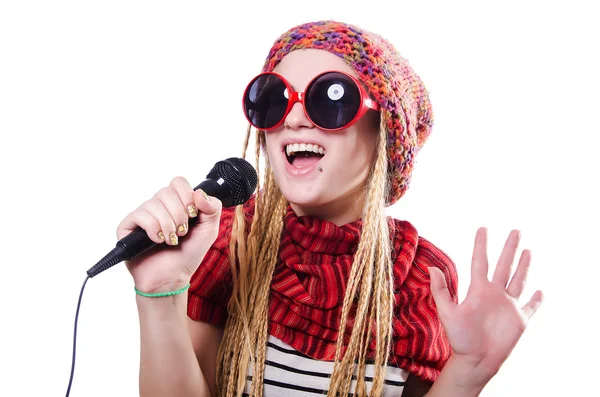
x: 368, y: 145
x: 352, y: 163
x: 361, y: 159
x: 271, y: 146
x: 360, y: 152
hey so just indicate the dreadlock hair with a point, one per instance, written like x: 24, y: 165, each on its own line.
x: 369, y: 292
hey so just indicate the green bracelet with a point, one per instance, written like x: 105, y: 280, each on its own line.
x: 161, y: 293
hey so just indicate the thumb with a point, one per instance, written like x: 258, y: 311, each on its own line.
x: 209, y: 208
x: 440, y: 292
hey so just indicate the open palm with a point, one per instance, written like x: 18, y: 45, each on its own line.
x: 487, y: 325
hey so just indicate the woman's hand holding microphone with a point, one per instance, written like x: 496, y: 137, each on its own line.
x: 165, y: 218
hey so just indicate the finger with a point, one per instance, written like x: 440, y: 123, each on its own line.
x: 170, y: 199
x: 186, y: 195
x: 156, y: 208
x: 441, y: 294
x: 534, y: 303
x: 479, y: 262
x: 507, y: 257
x: 146, y: 221
x: 517, y: 284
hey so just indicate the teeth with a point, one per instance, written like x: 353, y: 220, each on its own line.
x: 303, y: 147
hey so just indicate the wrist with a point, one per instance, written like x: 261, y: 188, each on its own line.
x: 161, y: 287
x: 162, y: 310
x: 459, y: 378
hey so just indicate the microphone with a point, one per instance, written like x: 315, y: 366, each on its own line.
x: 232, y: 181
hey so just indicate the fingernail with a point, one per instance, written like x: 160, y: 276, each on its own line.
x: 183, y: 228
x: 174, y: 239
x: 205, y: 196
x: 192, y: 211
x: 161, y: 235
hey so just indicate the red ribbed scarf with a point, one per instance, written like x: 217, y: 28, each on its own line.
x: 308, y: 285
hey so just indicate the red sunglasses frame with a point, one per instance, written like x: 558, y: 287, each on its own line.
x: 366, y: 103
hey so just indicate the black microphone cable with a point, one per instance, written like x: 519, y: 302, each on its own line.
x: 75, y: 336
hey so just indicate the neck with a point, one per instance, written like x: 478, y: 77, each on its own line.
x: 341, y: 211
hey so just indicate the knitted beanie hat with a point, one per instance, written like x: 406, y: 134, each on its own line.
x: 386, y: 75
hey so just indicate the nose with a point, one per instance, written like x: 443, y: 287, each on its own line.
x: 297, y: 119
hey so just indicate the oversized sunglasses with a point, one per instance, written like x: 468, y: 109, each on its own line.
x: 332, y: 101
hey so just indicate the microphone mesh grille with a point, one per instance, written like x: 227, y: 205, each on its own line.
x: 239, y: 175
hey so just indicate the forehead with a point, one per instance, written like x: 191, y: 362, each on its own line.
x: 299, y: 67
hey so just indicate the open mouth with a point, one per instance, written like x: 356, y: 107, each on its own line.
x: 302, y: 155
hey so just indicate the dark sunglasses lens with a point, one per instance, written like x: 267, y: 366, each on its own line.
x: 265, y: 101
x: 332, y: 100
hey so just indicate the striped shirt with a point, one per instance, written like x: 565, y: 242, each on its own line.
x: 289, y: 373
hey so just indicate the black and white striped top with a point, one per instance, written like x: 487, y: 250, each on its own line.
x: 289, y: 373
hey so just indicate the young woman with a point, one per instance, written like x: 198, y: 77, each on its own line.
x: 309, y: 288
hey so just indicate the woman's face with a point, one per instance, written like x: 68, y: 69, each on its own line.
x: 328, y: 186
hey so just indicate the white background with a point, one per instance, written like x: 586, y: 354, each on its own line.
x: 102, y: 103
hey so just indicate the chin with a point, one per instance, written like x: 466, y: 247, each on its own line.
x: 306, y: 196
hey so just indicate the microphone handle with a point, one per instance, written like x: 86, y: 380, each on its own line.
x: 137, y: 242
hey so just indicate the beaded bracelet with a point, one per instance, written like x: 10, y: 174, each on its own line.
x: 160, y: 294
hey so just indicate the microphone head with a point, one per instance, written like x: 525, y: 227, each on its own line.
x: 239, y: 175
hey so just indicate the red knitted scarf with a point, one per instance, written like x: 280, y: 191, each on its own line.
x: 308, y: 285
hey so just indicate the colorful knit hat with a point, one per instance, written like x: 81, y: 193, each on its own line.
x: 387, y: 76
